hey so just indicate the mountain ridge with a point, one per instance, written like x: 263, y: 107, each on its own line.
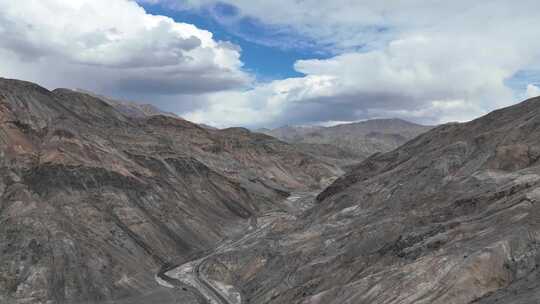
x: 95, y: 201
x: 347, y: 144
x: 129, y: 108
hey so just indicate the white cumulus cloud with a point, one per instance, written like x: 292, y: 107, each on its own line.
x: 112, y: 45
x: 442, y: 62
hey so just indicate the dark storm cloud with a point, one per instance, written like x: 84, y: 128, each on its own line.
x: 189, y: 83
x: 343, y: 108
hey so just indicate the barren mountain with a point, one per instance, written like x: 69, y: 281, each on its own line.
x: 94, y: 202
x: 100, y: 207
x: 130, y: 108
x: 350, y: 142
x: 452, y: 216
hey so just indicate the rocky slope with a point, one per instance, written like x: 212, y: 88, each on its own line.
x: 346, y: 144
x: 452, y: 216
x: 94, y: 201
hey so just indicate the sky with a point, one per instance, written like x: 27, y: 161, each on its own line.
x: 282, y: 62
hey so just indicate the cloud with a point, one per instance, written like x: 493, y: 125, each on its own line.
x: 332, y: 25
x: 443, y: 62
x: 532, y: 91
x: 113, y: 46
x: 425, y: 78
x: 427, y: 61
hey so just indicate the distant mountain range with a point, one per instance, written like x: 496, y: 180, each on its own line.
x: 347, y: 143
x: 341, y: 145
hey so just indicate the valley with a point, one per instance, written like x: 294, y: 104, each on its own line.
x: 190, y: 273
x: 269, y: 152
x: 100, y: 207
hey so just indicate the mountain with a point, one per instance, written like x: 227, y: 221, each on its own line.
x: 353, y: 141
x: 95, y: 201
x: 130, y: 108
x: 452, y: 216
x: 102, y: 207
x: 134, y: 109
x: 291, y: 133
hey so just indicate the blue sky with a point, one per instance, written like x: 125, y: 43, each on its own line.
x: 265, y: 62
x: 269, y: 63
x: 520, y: 80
x: 275, y: 62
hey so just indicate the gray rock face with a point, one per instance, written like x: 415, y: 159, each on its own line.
x: 346, y: 144
x: 452, y: 216
x: 93, y: 201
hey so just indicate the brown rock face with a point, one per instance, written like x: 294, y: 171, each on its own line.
x: 94, y: 202
x: 452, y: 216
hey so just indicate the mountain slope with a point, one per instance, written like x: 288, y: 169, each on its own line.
x: 94, y: 202
x: 452, y: 216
